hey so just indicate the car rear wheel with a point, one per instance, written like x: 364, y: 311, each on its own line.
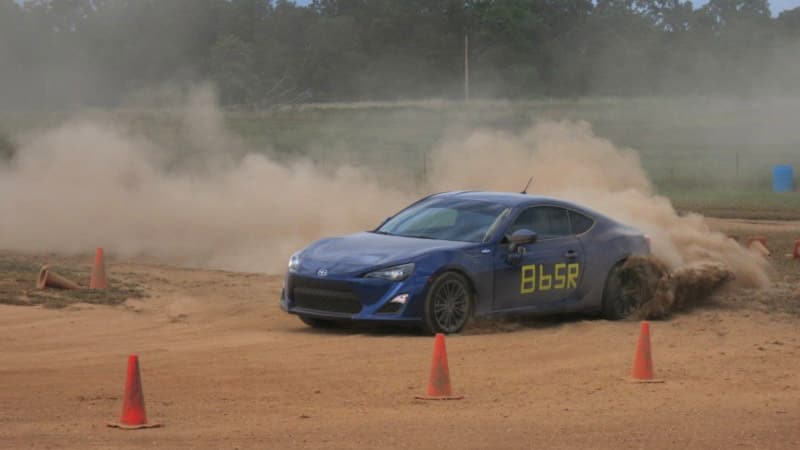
x: 616, y: 304
x: 448, y: 305
x: 317, y: 323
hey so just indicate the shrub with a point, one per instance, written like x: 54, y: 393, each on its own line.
x: 7, y: 146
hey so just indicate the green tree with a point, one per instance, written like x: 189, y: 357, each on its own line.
x: 231, y: 61
x: 7, y: 147
x: 96, y: 52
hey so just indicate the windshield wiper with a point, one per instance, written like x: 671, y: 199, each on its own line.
x: 386, y: 233
x: 418, y: 237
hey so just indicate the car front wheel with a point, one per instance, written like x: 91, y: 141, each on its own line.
x: 448, y: 305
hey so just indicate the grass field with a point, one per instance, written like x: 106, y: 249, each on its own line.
x: 712, y: 154
x: 734, y: 203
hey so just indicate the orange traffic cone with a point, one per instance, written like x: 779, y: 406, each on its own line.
x: 133, y: 413
x: 642, y: 361
x: 48, y: 278
x: 762, y: 239
x: 439, y: 382
x: 98, y: 278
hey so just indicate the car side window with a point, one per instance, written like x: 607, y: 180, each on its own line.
x: 559, y: 222
x: 580, y: 223
x: 546, y: 221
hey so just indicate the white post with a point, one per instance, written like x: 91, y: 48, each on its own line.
x: 466, y: 67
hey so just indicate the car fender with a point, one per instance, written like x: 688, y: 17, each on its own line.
x: 475, y: 266
x: 603, y: 252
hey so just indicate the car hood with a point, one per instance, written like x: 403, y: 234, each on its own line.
x: 366, y: 251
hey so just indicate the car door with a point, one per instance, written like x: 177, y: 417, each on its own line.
x: 550, y: 268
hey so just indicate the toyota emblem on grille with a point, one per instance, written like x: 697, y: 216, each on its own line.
x: 322, y: 273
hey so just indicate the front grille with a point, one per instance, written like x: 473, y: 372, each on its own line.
x: 323, y: 295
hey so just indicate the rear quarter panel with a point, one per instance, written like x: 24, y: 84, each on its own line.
x: 605, y: 245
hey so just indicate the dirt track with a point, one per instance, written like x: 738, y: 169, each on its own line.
x: 223, y: 367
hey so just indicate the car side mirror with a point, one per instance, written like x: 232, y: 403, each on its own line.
x: 517, y: 240
x: 522, y: 237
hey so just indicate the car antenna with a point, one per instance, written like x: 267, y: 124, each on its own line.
x: 525, y: 191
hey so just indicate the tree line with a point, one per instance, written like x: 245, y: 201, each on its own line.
x: 260, y: 52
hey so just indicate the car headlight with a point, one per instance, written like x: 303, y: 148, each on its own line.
x: 396, y: 273
x: 294, y: 262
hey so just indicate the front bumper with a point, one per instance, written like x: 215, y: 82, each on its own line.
x: 359, y: 298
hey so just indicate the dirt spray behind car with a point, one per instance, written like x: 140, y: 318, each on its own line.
x: 567, y: 160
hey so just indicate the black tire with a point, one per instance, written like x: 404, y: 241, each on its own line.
x: 448, y: 304
x: 616, y: 305
x: 317, y: 323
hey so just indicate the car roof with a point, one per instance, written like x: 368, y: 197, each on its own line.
x: 511, y: 199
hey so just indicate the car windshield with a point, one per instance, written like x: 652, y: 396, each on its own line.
x: 447, y: 219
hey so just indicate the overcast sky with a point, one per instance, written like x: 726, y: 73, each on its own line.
x: 775, y: 5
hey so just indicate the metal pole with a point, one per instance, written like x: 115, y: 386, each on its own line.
x: 737, y: 166
x: 466, y: 67
x: 424, y: 167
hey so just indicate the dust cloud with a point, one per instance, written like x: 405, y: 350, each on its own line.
x: 90, y: 183
x: 93, y: 182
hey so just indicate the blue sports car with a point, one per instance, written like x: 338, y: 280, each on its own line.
x: 455, y: 255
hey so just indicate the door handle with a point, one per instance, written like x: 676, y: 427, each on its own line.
x: 571, y: 254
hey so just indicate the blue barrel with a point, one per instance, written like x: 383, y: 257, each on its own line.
x: 783, y: 179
